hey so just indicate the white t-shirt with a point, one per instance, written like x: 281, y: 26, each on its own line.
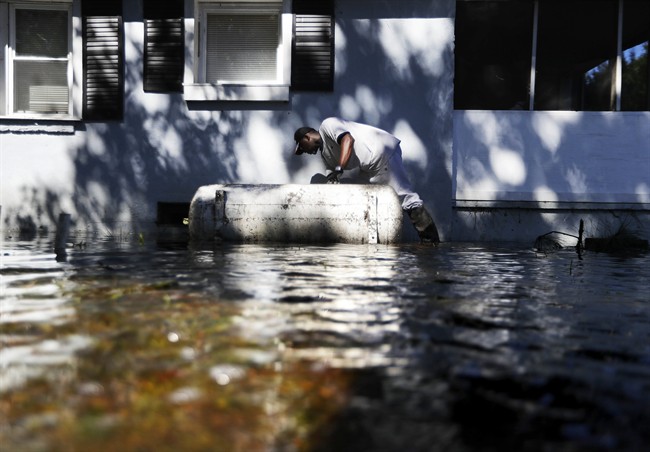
x: 372, y: 146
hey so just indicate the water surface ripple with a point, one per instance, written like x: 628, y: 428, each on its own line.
x: 342, y: 347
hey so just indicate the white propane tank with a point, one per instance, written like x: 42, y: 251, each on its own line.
x: 319, y: 213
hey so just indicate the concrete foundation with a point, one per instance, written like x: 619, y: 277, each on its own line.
x: 524, y: 222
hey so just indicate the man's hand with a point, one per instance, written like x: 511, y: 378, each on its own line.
x: 333, y: 177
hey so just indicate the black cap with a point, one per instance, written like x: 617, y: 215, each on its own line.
x: 301, y: 132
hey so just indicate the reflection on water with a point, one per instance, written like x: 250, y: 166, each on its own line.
x: 343, y: 347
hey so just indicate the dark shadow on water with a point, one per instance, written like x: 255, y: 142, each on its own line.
x: 462, y: 347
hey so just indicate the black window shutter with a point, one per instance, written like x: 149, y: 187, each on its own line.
x: 164, y: 45
x: 312, y: 59
x: 103, y: 60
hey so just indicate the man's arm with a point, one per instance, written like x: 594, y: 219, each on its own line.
x: 346, y: 145
x: 346, y: 142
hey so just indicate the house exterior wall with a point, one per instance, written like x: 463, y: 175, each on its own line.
x: 110, y: 175
x: 483, y: 175
x: 520, y: 174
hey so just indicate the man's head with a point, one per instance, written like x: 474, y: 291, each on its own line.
x: 307, y: 140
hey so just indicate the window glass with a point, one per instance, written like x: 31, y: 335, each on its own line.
x: 636, y: 31
x: 40, y: 65
x: 242, y: 47
x: 41, y: 33
x: 576, y: 54
x: 493, y: 55
x: 41, y: 87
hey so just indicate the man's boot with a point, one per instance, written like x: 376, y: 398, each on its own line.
x: 424, y: 224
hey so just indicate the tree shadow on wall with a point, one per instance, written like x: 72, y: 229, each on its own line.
x: 388, y: 76
x: 159, y: 152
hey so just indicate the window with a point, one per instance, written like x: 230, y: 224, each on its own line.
x: 242, y: 47
x: 242, y: 43
x: 248, y: 50
x: 493, y: 52
x: 576, y: 53
x: 243, y: 52
x: 172, y: 213
x: 552, y: 55
x: 39, y: 71
x: 52, y: 70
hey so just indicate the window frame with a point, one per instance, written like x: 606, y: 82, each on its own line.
x: 195, y: 86
x: 8, y: 106
x: 576, y: 96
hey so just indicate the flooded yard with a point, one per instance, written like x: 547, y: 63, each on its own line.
x: 136, y: 346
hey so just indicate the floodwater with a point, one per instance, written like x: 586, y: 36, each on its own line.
x: 238, y: 347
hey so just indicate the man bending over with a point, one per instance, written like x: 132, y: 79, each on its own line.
x: 347, y: 145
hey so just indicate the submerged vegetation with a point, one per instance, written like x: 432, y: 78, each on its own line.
x: 165, y: 367
x: 623, y: 240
